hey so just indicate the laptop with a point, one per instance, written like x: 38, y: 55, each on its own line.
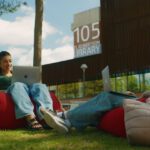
x: 106, y: 79
x: 107, y: 83
x: 26, y: 74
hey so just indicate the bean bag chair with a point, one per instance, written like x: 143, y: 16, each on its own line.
x: 7, y: 111
x: 113, y: 121
x: 137, y: 122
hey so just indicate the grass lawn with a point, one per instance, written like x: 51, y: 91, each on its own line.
x: 90, y: 139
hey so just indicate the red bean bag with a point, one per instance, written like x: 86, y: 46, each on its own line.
x: 7, y: 111
x: 113, y: 121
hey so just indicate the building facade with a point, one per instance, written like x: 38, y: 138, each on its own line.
x: 123, y: 38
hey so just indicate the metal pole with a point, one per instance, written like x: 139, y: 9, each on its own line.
x: 127, y: 81
x: 115, y: 83
x: 83, y: 82
x: 83, y: 67
x: 83, y: 75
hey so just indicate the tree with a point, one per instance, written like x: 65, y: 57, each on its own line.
x: 38, y: 32
x: 9, y: 6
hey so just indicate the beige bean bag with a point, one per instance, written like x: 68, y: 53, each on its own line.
x: 137, y: 122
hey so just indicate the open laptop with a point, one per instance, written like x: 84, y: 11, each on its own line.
x: 106, y: 79
x: 26, y: 74
x: 107, y: 83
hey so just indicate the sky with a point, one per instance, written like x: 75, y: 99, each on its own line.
x: 17, y: 30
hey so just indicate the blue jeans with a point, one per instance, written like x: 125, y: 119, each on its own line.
x: 21, y: 94
x: 88, y: 114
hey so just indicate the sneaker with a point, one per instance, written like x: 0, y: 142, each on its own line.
x: 55, y: 122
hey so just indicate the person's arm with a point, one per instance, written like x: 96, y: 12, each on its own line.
x: 130, y: 93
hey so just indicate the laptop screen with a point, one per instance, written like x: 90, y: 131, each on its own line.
x: 26, y: 74
x: 106, y: 79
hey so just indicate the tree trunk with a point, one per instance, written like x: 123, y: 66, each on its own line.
x: 38, y: 32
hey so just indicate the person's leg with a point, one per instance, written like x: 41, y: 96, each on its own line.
x: 41, y: 97
x: 23, y: 105
x: 89, y: 113
x: 20, y: 95
x: 44, y: 104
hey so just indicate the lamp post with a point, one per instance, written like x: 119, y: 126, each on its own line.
x: 83, y: 67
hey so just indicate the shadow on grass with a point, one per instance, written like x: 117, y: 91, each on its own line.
x: 89, y: 139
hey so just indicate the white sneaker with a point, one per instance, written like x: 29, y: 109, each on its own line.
x: 55, y: 122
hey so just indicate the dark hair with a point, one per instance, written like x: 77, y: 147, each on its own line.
x: 3, y: 54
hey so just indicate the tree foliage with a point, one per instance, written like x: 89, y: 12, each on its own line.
x: 9, y: 6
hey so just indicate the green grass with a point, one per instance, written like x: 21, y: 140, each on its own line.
x: 90, y: 139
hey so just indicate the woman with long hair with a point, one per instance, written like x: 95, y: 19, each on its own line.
x: 21, y: 94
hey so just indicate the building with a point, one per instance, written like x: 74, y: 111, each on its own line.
x: 125, y: 35
x: 87, y: 48
x: 87, y: 33
x: 124, y: 45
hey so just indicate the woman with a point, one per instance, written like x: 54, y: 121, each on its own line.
x: 21, y: 94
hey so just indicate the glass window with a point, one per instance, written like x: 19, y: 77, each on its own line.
x: 147, y: 81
